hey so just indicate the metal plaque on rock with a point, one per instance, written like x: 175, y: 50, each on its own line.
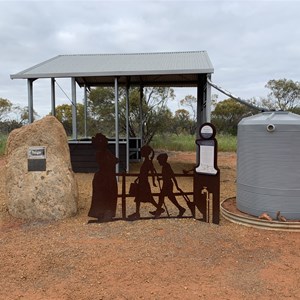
x: 36, y: 158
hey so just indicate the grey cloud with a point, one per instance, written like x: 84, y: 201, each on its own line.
x: 249, y: 42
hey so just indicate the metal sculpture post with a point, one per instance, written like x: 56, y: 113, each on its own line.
x: 207, y: 175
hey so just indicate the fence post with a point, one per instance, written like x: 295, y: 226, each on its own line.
x: 123, y: 196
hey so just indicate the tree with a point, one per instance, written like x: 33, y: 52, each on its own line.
x: 101, y: 110
x: 227, y: 115
x: 284, y: 93
x: 22, y: 114
x: 8, y: 125
x: 183, y: 123
x: 296, y: 110
x: 156, y: 121
x: 152, y: 115
x: 64, y: 115
x: 190, y: 102
x: 149, y: 115
x: 11, y: 116
x: 5, y: 108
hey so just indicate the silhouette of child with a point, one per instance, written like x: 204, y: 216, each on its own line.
x: 168, y: 178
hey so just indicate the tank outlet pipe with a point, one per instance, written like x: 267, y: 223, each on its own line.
x: 270, y: 127
x: 235, y: 97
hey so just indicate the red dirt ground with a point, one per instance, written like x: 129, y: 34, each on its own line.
x: 146, y: 259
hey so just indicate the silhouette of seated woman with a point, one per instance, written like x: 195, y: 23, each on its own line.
x: 168, y: 178
x: 105, y: 189
x: 144, y: 190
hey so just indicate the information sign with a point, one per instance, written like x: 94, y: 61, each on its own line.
x: 36, y: 158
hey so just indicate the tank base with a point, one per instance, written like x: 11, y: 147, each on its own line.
x: 230, y: 212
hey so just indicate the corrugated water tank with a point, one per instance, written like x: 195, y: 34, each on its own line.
x: 268, y: 164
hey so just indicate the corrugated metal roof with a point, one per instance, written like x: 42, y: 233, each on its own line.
x: 93, y: 66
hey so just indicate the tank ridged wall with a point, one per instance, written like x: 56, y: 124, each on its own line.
x: 268, y: 164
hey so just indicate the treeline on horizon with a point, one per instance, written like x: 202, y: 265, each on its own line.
x: 151, y: 116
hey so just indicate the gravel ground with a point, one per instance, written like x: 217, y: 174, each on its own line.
x: 164, y: 258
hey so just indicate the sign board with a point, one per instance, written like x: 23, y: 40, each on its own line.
x: 36, y: 156
x: 207, y: 161
x: 207, y: 150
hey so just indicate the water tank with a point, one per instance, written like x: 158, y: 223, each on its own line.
x: 268, y: 164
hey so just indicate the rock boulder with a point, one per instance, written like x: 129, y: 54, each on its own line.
x: 48, y: 194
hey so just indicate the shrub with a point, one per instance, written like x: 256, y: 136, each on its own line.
x: 3, y: 139
x: 182, y: 142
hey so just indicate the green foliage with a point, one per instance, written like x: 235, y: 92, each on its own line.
x: 149, y: 114
x: 183, y: 123
x: 22, y: 115
x: 172, y: 142
x: 101, y: 111
x: 190, y: 102
x: 5, y: 107
x: 227, y: 115
x: 12, y: 117
x: 296, y: 110
x: 227, y: 142
x: 285, y: 94
x: 3, y: 139
x: 64, y: 115
x: 8, y: 125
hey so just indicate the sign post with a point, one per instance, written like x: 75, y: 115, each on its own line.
x: 207, y: 175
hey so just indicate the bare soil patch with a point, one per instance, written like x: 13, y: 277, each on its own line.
x: 164, y: 258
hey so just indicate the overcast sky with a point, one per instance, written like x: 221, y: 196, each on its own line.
x: 248, y: 42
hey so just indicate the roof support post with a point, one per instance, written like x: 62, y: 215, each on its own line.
x: 208, y: 100
x: 53, y: 112
x: 201, y: 108
x: 117, y: 122
x: 74, y: 109
x: 141, y: 115
x: 201, y: 101
x: 85, y: 110
x: 127, y: 124
x: 30, y: 99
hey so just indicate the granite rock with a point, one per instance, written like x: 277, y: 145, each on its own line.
x: 50, y: 194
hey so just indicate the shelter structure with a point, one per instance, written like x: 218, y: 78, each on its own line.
x: 162, y: 69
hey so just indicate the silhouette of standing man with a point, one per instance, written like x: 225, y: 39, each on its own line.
x: 168, y: 178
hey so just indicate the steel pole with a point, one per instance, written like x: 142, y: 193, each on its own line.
x: 85, y: 110
x: 127, y: 127
x: 30, y: 99
x: 74, y: 109
x: 53, y: 112
x: 117, y: 123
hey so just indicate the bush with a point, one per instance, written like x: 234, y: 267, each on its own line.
x: 3, y: 139
x: 227, y: 142
x: 172, y: 142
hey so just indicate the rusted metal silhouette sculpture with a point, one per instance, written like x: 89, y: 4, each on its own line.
x: 143, y: 190
x: 168, y: 177
x: 105, y: 189
x: 206, y: 182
